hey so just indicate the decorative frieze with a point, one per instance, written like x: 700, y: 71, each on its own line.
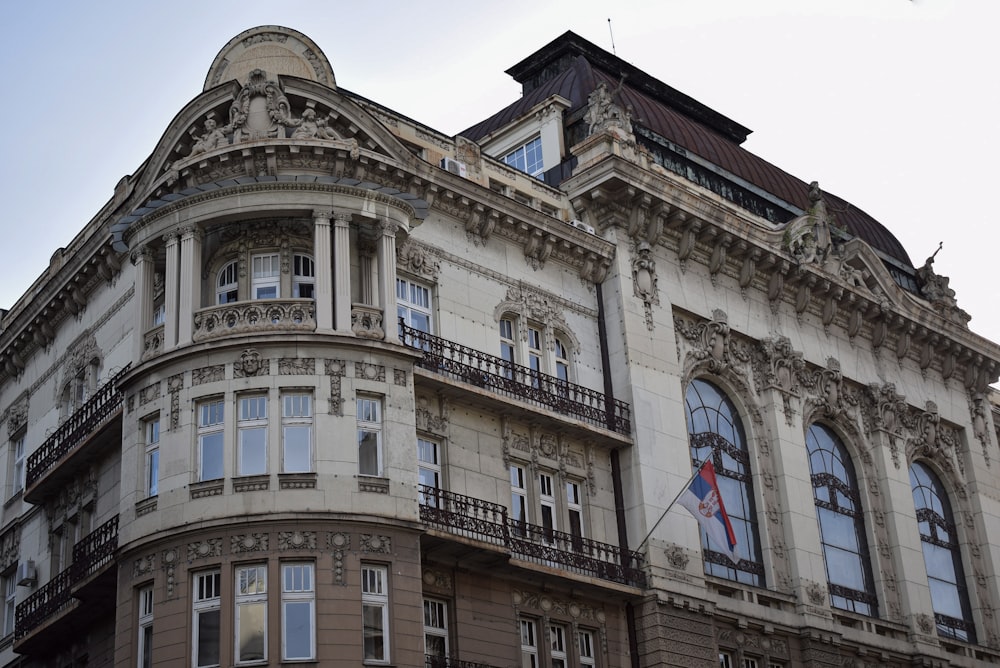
x: 296, y: 540
x: 376, y: 544
x: 203, y: 549
x: 339, y: 544
x: 208, y: 374
x: 375, y: 372
x: 296, y: 366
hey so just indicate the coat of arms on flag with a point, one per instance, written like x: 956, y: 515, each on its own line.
x: 703, y: 500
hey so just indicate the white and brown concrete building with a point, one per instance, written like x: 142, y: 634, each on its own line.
x: 323, y: 385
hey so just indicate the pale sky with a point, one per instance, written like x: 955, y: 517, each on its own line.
x: 890, y: 104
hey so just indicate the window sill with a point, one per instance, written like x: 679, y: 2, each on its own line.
x: 145, y: 506
x: 375, y: 484
x: 297, y: 481
x: 251, y: 483
x: 15, y: 497
x: 207, y: 488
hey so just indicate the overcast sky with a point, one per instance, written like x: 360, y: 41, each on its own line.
x: 890, y: 104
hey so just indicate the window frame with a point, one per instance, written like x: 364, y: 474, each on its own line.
x: 144, y: 622
x: 202, y: 604
x: 529, y: 642
x: 520, y: 514
x: 519, y: 157
x: 558, y: 652
x: 414, y: 312
x: 303, y: 274
x: 432, y: 468
x: 375, y: 597
x: 211, y: 425
x: 369, y: 425
x: 245, y: 601
x: 266, y: 277
x: 291, y: 596
x: 10, y: 601
x: 440, y: 631
x: 151, y: 435
x: 227, y: 292
x: 586, y: 647
x: 18, y: 461
x: 297, y: 419
x: 252, y: 421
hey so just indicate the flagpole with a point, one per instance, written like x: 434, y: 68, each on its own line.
x: 684, y: 487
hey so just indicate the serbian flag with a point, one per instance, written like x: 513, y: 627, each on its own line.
x: 703, y: 500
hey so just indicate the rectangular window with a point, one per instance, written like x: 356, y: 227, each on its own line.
x: 435, y: 628
x: 587, y: 655
x: 749, y: 663
x: 413, y: 304
x: 547, y: 501
x: 152, y: 429
x: 10, y: 602
x: 535, y: 355
x: 518, y: 499
x: 529, y: 644
x: 210, y: 440
x: 17, y: 464
x: 266, y: 276
x: 303, y: 277
x: 369, y: 436
x: 252, y: 452
x: 146, y: 627
x: 298, y: 612
x: 251, y: 613
x: 527, y: 158
x: 725, y: 660
x: 206, y: 612
x: 508, y: 345
x: 375, y: 612
x: 429, y: 469
x: 575, y: 508
x: 296, y: 433
x: 557, y: 637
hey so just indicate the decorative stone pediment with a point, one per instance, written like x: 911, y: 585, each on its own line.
x: 710, y: 344
x: 934, y: 440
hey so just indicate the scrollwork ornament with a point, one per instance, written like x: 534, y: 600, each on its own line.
x: 644, y: 279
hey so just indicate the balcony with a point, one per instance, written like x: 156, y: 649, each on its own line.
x: 497, y: 375
x: 73, y: 600
x: 45, y: 471
x: 451, y: 662
x: 254, y: 317
x: 488, y: 522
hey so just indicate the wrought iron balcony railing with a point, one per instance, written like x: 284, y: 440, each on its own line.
x: 90, y: 556
x: 489, y: 522
x: 431, y: 661
x: 76, y: 429
x: 519, y: 382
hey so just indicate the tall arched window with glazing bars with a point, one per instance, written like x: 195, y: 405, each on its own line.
x: 841, y: 523
x: 942, y: 556
x: 715, y: 431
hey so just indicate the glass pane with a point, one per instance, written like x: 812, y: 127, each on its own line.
x: 211, y: 456
x: 253, y: 451
x: 208, y: 638
x: 251, y: 640
x: 368, y: 453
x: 374, y: 633
x: 298, y: 630
x: 845, y: 568
x: 297, y: 458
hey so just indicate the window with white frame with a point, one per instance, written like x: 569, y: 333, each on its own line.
x: 145, y: 621
x: 206, y: 612
x: 435, y: 628
x: 588, y: 656
x: 298, y: 612
x: 303, y: 276
x: 726, y: 660
x: 211, y: 440
x: 557, y: 645
x: 369, y: 436
x: 536, y: 346
x: 265, y: 276
x: 561, y: 359
x: 17, y: 464
x: 151, y: 427
x: 529, y: 643
x: 251, y: 455
x: 574, y: 506
x: 296, y: 433
x: 10, y: 602
x: 749, y: 663
x: 251, y: 613
x: 507, y: 345
x: 527, y: 157
x: 429, y: 469
x: 413, y: 304
x: 227, y: 284
x: 547, y: 504
x: 518, y: 499
x: 375, y: 612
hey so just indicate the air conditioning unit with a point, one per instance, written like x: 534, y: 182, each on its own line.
x: 453, y: 166
x: 580, y: 225
x: 27, y: 576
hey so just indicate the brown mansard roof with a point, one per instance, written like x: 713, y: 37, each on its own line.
x: 572, y: 67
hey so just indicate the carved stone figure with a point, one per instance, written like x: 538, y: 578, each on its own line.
x: 604, y: 114
x: 213, y: 138
x: 312, y: 127
x: 809, y: 237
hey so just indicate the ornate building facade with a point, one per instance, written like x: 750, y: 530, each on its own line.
x: 321, y: 384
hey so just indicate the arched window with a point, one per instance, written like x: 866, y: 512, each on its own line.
x: 227, y: 283
x: 942, y: 558
x: 715, y: 430
x: 841, y: 523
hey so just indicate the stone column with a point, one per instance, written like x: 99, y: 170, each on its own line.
x: 170, y: 286
x: 387, y: 278
x: 142, y: 258
x: 342, y: 272
x: 322, y: 255
x: 190, y: 283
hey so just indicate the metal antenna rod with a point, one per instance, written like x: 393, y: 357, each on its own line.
x: 613, y: 52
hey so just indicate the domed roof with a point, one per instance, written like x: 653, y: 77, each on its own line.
x: 274, y: 49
